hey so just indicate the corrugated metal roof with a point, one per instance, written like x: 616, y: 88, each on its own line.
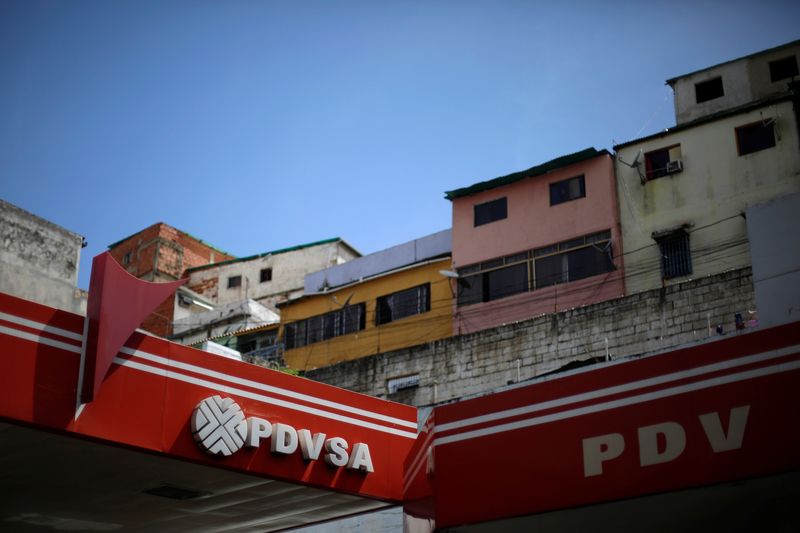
x: 387, y: 260
x: 239, y: 333
x: 538, y: 170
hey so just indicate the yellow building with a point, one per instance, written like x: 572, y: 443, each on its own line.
x: 385, y: 301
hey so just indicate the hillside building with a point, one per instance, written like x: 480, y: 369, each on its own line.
x: 538, y: 241
x: 269, y: 278
x: 684, y: 191
x: 161, y: 253
x: 384, y: 301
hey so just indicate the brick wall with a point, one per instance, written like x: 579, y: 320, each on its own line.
x: 488, y: 359
x: 163, y: 253
x: 207, y: 287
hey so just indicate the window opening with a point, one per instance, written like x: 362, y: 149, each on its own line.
x: 562, y: 262
x: 266, y: 275
x: 755, y: 137
x: 708, y: 90
x: 491, y: 211
x: 566, y: 190
x: 348, y: 319
x: 234, y: 281
x: 662, y: 162
x: 408, y: 302
x: 782, y: 69
x: 676, y: 257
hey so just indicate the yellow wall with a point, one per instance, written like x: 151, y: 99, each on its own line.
x: 408, y: 331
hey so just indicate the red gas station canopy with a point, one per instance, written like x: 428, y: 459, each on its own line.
x: 177, y: 439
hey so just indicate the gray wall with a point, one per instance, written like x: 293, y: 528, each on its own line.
x: 486, y: 360
x: 409, y: 253
x: 39, y: 260
x: 774, y: 232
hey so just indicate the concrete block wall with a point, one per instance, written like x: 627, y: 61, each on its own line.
x: 485, y: 360
x: 39, y: 260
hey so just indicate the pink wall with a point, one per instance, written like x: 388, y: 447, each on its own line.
x: 532, y: 222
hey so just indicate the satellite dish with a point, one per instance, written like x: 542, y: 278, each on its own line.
x: 635, y: 164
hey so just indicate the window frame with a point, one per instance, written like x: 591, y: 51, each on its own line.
x: 324, y: 327
x: 778, y: 64
x: 477, y: 276
x: 654, y: 174
x: 268, y: 272
x: 487, y: 215
x: 423, y: 304
x: 750, y: 125
x: 234, y: 282
x: 707, y: 83
x: 581, y: 194
x: 683, y: 266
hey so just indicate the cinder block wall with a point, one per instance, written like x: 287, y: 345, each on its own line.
x: 485, y: 360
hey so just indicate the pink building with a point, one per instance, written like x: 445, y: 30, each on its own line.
x: 538, y: 241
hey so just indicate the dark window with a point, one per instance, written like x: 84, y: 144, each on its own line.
x: 494, y: 284
x: 506, y: 281
x: 470, y: 289
x: 657, y: 162
x: 348, y: 319
x: 754, y: 137
x: 708, y: 90
x: 782, y: 69
x: 676, y: 256
x: 234, y: 281
x: 126, y: 259
x: 266, y: 274
x: 413, y: 301
x: 491, y: 211
x: 566, y: 190
x: 562, y: 262
x: 577, y: 259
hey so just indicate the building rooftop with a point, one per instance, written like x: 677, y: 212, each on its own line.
x: 671, y: 81
x: 201, y: 241
x: 402, y: 255
x: 274, y: 252
x: 538, y: 170
x: 708, y: 118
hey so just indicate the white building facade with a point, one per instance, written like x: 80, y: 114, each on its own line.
x: 683, y: 192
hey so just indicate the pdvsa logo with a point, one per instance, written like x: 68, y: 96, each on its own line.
x: 220, y: 427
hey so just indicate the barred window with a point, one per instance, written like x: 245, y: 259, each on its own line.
x: 676, y: 256
x: 563, y: 262
x: 348, y: 319
x: 408, y: 302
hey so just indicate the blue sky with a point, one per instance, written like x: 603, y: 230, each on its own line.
x: 257, y: 125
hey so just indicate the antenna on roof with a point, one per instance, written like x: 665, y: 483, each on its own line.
x: 635, y: 164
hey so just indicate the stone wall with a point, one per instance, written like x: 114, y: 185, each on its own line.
x: 485, y: 360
